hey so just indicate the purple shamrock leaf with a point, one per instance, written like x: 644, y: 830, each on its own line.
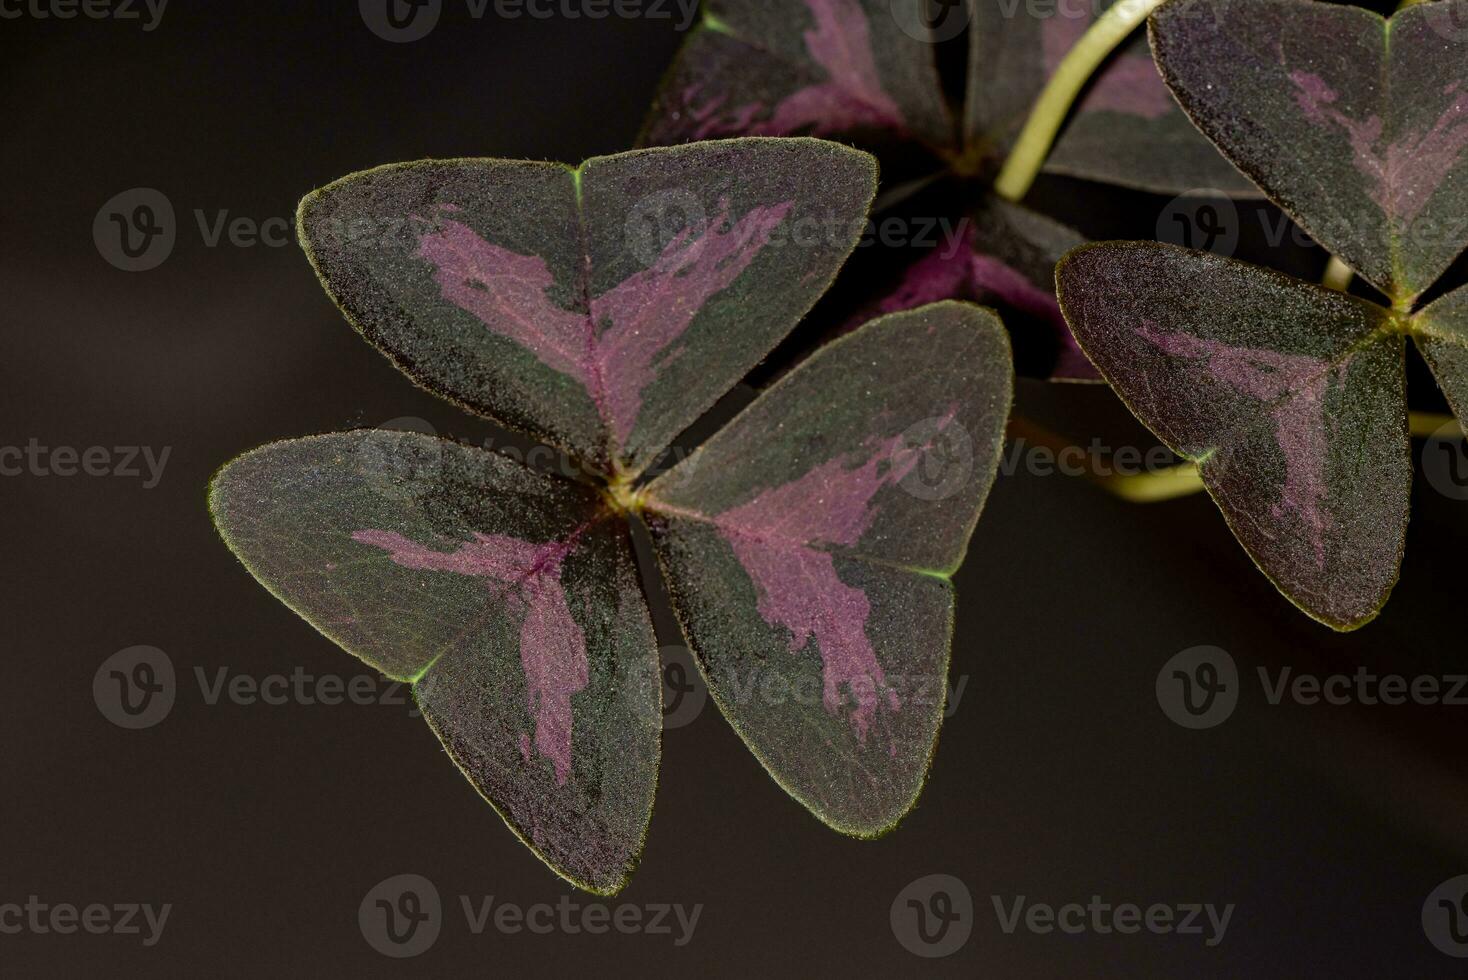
x: 1290, y: 397
x: 614, y: 306
x: 507, y: 599
x: 808, y: 547
x: 1355, y: 124
x: 643, y: 286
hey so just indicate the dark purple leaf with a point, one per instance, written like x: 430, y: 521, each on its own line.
x: 603, y: 308
x: 508, y: 599
x: 808, y: 547
x: 801, y: 67
x: 1005, y: 259
x: 1442, y: 337
x: 1126, y: 129
x: 1290, y: 397
x: 1354, y: 125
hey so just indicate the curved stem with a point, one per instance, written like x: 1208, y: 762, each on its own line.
x: 1177, y: 481
x: 1149, y: 487
x: 1425, y: 425
x: 1048, y: 115
x: 1338, y: 275
x: 1170, y: 483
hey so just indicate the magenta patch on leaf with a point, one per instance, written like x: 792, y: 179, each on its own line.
x: 616, y: 350
x: 963, y: 274
x: 853, y: 98
x: 777, y: 537
x: 1130, y: 84
x: 1008, y: 285
x: 1407, y: 173
x: 1300, y: 420
x: 552, y: 645
x: 507, y: 292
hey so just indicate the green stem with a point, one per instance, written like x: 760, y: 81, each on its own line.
x: 1338, y: 275
x: 1425, y: 425
x: 1036, y: 139
x: 1177, y: 481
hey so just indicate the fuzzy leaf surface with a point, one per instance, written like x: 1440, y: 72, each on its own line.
x: 808, y: 545
x: 1004, y: 258
x: 1355, y: 124
x: 602, y: 309
x: 1443, y: 341
x: 1290, y: 397
x: 508, y: 599
x: 1126, y: 128
x: 831, y: 68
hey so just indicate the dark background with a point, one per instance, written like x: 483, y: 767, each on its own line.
x: 1057, y: 777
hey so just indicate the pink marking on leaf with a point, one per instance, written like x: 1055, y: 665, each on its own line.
x: 647, y: 312
x: 552, y: 644
x: 1405, y: 174
x: 507, y: 292
x: 778, y: 537
x: 962, y: 274
x: 851, y: 98
x: 1299, y: 384
x: 992, y: 277
x: 1130, y: 84
x: 938, y: 276
x: 616, y: 350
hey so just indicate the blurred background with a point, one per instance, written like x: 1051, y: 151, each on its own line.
x: 264, y: 827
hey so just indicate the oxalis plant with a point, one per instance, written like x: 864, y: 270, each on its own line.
x: 1291, y: 397
x: 1038, y: 92
x: 810, y: 538
x: 604, y: 309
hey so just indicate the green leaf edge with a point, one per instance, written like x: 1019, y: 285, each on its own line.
x: 861, y: 833
x: 397, y: 360
x: 962, y: 146
x: 628, y: 869
x: 1345, y: 626
x: 1398, y: 292
x: 413, y: 680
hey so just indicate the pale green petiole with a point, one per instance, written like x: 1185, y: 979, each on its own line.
x: 1035, y: 140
